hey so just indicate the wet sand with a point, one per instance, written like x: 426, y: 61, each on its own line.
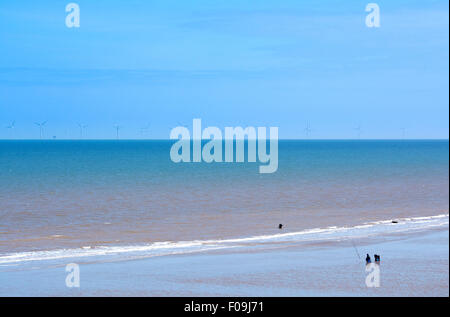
x: 412, y: 265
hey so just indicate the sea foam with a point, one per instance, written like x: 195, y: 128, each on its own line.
x: 111, y: 253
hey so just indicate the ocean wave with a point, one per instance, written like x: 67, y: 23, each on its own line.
x: 183, y: 247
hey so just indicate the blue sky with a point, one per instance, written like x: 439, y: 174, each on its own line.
x: 230, y: 63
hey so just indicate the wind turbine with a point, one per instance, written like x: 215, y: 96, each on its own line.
x: 41, y: 127
x: 307, y: 129
x: 117, y: 127
x: 144, y: 130
x: 82, y: 127
x: 359, y: 131
x: 403, y: 133
x: 11, y: 127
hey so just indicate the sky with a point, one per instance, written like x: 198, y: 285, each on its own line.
x: 149, y: 66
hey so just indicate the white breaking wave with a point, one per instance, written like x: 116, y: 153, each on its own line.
x: 183, y: 247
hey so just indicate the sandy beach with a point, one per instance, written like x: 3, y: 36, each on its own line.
x: 416, y: 264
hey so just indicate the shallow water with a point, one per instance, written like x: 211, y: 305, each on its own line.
x: 72, y: 194
x: 311, y: 237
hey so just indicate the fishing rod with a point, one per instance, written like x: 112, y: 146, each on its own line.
x: 356, y: 250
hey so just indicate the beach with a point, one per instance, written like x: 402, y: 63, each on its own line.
x: 412, y: 265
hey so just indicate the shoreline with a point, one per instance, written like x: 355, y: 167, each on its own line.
x: 314, y: 235
x: 416, y: 264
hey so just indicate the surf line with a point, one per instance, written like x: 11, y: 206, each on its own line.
x: 212, y: 150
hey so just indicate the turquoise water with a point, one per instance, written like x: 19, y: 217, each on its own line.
x: 70, y: 194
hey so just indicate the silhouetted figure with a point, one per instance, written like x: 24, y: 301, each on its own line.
x: 368, y: 260
x: 377, y: 258
x: 280, y: 226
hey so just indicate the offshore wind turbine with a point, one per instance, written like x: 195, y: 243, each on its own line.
x: 117, y: 127
x: 358, y: 131
x: 11, y: 127
x: 307, y: 129
x: 41, y: 127
x: 403, y: 133
x: 144, y: 129
x: 82, y: 127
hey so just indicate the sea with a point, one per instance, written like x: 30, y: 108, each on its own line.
x: 120, y: 199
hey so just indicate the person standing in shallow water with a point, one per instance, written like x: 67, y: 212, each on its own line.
x: 377, y: 258
x: 368, y: 260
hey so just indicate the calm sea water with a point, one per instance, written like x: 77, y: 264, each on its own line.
x: 72, y: 194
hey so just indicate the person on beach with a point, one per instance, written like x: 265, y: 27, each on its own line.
x: 377, y: 258
x: 368, y: 260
